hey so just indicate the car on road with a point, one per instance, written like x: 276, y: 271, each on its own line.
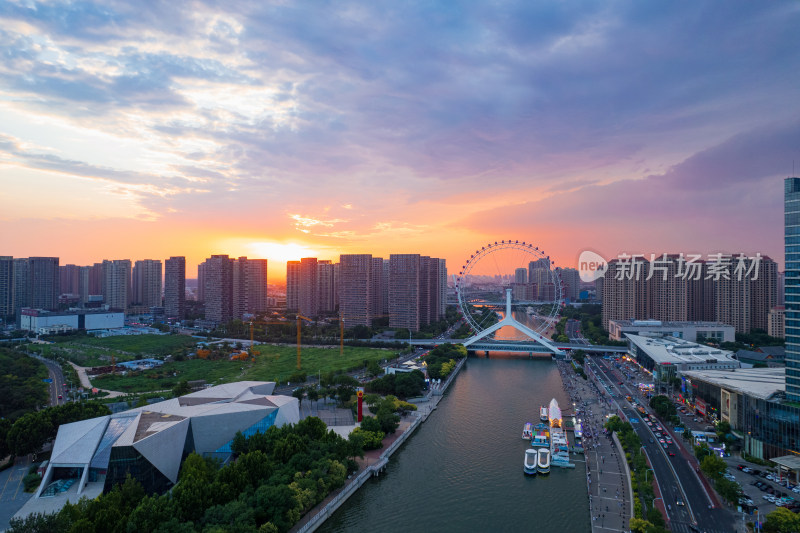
x: 678, y: 501
x: 60, y: 397
x: 672, y: 454
x: 661, y: 441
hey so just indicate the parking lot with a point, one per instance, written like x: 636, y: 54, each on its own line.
x: 768, y: 488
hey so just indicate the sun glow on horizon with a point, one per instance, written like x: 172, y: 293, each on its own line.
x: 281, y: 252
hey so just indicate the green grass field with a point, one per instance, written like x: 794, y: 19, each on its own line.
x: 273, y: 363
x: 92, y: 351
x: 139, y: 344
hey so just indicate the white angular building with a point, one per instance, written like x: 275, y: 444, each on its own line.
x: 149, y: 443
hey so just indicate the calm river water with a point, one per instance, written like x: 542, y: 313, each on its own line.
x: 462, y: 470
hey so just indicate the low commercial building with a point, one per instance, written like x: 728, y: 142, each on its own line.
x: 665, y: 357
x: 45, y: 322
x: 689, y: 331
x: 149, y: 443
x: 753, y: 401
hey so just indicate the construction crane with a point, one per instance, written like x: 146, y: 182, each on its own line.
x: 300, y: 318
x: 265, y: 323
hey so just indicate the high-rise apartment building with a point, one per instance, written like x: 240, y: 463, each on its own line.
x: 326, y: 287
x: 701, y: 299
x: 355, y: 289
x: 764, y: 288
x: 378, y: 285
x: 43, y: 279
x: 438, y: 291
x: 293, y: 283
x: 175, y: 287
x: 667, y: 289
x: 69, y: 279
x: 791, y: 202
x: 218, y: 288
x: 308, y: 299
x: 96, y: 279
x: 22, y: 286
x: 249, y: 286
x: 6, y: 286
x: 117, y: 283
x: 302, y: 287
x: 83, y: 283
x: 540, y: 277
x: 571, y: 281
x: 777, y: 318
x: 404, y: 291
x: 521, y: 275
x: 201, y: 282
x: 146, y: 283
x: 625, y: 291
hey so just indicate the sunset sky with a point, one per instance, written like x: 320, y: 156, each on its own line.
x: 135, y: 129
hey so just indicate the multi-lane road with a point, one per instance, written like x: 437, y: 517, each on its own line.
x: 56, y: 388
x: 689, y: 507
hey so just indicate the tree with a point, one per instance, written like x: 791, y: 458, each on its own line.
x: 373, y: 368
x: 713, y: 466
x: 299, y: 393
x: 639, y: 525
x: 579, y: 356
x: 729, y: 490
x: 370, y: 423
x: 181, y: 388
x: 782, y: 520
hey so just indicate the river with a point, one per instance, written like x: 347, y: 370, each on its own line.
x: 462, y: 470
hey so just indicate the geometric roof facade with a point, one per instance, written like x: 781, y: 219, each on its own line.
x: 159, y: 431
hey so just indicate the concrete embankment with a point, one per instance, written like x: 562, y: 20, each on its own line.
x: 317, y: 516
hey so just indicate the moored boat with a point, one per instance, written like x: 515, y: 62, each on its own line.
x: 543, y: 461
x: 527, y: 431
x: 543, y: 414
x: 541, y: 436
x: 531, y: 459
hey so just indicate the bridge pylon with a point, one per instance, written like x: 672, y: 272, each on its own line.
x: 508, y: 320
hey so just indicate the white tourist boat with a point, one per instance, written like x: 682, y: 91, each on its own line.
x: 543, y: 414
x: 527, y: 431
x: 531, y: 460
x: 543, y: 462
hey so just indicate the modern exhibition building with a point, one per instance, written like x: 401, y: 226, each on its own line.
x: 149, y: 443
x: 753, y: 401
x: 666, y: 356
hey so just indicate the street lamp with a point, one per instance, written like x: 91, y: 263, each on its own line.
x: 653, y: 501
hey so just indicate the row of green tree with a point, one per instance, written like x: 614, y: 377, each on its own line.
x: 750, y: 341
x: 374, y: 429
x: 714, y: 467
x: 442, y: 359
x: 276, y: 478
x: 21, y: 383
x: 665, y: 409
x: 642, y: 522
x: 403, y: 384
x: 33, y: 430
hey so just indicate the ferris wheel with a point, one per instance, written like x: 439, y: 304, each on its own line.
x: 512, y: 278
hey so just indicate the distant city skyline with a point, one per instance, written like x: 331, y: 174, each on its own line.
x: 137, y: 130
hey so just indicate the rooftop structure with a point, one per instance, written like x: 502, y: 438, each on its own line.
x: 764, y: 383
x: 666, y: 356
x: 688, y: 330
x: 149, y: 443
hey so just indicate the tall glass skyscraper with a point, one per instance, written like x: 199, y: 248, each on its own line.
x: 791, y: 201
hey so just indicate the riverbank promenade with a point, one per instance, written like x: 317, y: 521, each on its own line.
x: 607, y: 477
x: 374, y: 461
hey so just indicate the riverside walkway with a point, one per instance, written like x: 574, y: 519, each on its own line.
x: 607, y: 477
